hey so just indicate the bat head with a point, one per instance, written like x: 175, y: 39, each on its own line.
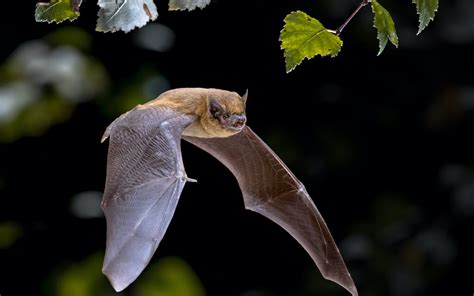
x: 225, y: 114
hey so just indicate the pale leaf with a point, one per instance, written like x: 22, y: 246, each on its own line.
x: 187, y: 4
x: 125, y: 15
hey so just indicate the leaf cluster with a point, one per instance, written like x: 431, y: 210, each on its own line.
x: 302, y: 36
x: 119, y: 15
x: 305, y: 37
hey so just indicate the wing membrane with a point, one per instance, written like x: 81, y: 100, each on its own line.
x: 271, y: 189
x: 145, y: 177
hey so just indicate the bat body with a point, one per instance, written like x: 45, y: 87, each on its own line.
x: 145, y: 177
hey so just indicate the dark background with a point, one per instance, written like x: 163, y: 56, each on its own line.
x: 383, y: 145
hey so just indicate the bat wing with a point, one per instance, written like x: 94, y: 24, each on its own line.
x: 271, y: 189
x: 145, y: 177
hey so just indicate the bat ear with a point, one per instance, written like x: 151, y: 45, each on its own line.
x: 244, y: 97
x: 215, y: 108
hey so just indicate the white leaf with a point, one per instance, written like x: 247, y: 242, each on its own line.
x: 187, y: 4
x: 125, y: 15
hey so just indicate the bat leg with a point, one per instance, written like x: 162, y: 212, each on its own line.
x: 184, y: 177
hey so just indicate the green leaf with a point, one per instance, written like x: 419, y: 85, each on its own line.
x: 57, y: 11
x: 385, y: 26
x: 187, y: 4
x: 305, y: 37
x: 426, y: 9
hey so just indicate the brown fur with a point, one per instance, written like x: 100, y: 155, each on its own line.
x: 195, y: 101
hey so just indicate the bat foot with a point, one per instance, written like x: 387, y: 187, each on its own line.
x: 184, y: 177
x: 190, y: 179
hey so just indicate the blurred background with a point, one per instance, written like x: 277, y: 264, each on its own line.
x: 383, y: 145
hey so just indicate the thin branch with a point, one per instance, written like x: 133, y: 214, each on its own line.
x: 362, y: 4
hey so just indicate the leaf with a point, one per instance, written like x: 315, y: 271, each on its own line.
x: 187, y: 4
x: 385, y: 26
x: 125, y: 15
x: 426, y: 9
x: 57, y: 11
x: 305, y: 37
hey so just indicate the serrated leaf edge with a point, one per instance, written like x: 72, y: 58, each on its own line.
x: 176, y: 8
x: 288, y: 70
x: 418, y: 11
x: 115, y: 29
x: 172, y: 7
x: 56, y: 21
x: 383, y: 43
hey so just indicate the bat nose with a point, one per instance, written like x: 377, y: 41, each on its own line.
x: 239, y: 120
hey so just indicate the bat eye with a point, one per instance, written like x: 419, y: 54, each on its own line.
x: 225, y: 116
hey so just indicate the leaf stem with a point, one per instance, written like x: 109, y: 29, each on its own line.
x: 362, y: 4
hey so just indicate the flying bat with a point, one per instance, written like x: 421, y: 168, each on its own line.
x: 145, y: 177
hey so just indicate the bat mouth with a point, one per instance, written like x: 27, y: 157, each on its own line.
x: 235, y: 122
x: 235, y: 128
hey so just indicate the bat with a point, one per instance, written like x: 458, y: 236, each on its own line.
x: 145, y: 177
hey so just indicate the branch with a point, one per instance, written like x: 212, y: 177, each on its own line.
x: 339, y: 30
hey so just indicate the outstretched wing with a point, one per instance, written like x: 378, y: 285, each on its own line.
x: 271, y: 189
x: 145, y: 177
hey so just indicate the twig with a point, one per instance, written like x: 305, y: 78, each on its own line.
x: 362, y: 4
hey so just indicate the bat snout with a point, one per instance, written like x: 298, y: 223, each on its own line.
x: 238, y: 121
